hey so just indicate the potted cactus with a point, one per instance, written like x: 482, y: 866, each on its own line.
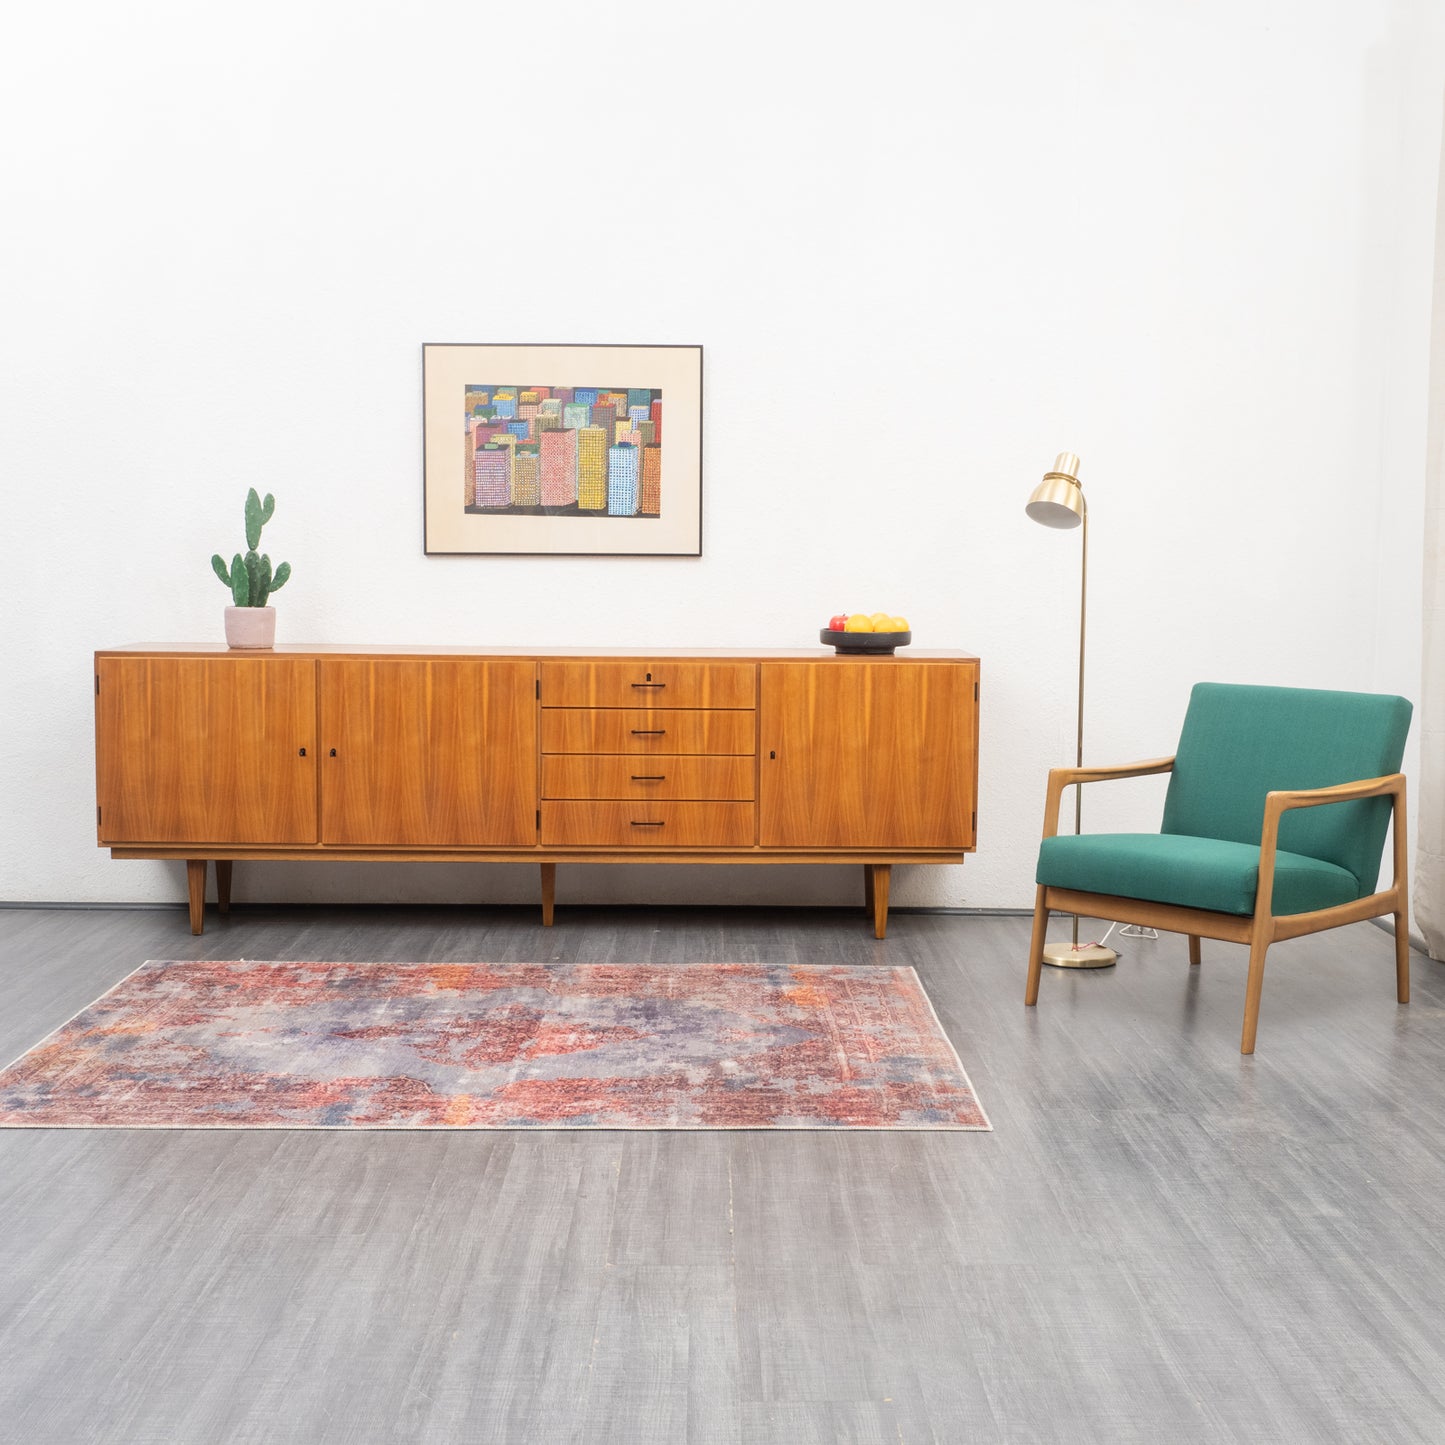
x: 251, y: 623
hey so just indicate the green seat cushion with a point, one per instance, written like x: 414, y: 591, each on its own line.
x: 1190, y: 872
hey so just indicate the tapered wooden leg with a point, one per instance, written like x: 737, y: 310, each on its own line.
x: 1402, y: 955
x: 881, y: 873
x: 223, y: 885
x: 1258, y: 947
x: 196, y: 889
x: 549, y: 893
x: 868, y: 887
x: 1036, y: 946
x: 1194, y: 954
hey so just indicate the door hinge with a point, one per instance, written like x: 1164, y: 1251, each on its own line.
x: 975, y: 820
x: 538, y: 686
x: 539, y: 820
x: 97, y: 684
x: 975, y: 692
x: 97, y: 815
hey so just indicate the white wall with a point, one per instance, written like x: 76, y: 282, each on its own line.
x: 924, y: 249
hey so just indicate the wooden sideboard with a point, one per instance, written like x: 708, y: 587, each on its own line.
x: 403, y: 754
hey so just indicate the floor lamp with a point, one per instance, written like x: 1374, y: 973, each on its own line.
x: 1058, y: 501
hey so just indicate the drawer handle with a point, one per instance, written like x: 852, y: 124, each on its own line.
x: 649, y: 777
x: 649, y: 732
x: 649, y: 684
x: 649, y: 825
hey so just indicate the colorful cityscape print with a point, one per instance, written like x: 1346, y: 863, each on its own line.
x: 563, y: 451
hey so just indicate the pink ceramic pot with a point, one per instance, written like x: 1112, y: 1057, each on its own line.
x: 250, y: 626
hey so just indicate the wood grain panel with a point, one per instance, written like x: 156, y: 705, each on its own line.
x: 578, y: 775
x: 648, y: 825
x: 658, y: 682
x: 428, y: 752
x: 856, y: 757
x: 647, y: 730
x: 200, y: 750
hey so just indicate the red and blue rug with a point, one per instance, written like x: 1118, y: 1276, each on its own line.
x: 247, y: 1045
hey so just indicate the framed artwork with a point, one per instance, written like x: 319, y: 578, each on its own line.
x: 591, y: 450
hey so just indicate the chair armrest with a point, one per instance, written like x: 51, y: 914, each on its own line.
x: 1061, y: 778
x: 1276, y: 804
x: 1279, y: 802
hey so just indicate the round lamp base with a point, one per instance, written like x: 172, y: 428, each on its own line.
x: 1086, y: 955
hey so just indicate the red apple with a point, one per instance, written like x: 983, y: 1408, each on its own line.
x: 838, y: 623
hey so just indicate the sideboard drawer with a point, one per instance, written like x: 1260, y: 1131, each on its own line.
x: 647, y: 730
x: 648, y: 825
x: 577, y: 775
x: 645, y: 683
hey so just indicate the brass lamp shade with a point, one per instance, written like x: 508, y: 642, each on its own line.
x: 1058, y: 500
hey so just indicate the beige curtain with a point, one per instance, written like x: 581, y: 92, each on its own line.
x: 1430, y: 844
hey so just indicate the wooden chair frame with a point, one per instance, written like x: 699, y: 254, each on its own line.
x: 1259, y: 929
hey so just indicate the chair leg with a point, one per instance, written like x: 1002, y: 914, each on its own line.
x: 1036, y: 946
x: 1194, y: 954
x: 1402, y: 956
x: 1258, y: 947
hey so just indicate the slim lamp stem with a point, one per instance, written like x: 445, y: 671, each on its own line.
x: 1079, y: 737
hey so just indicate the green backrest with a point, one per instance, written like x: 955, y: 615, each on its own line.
x: 1240, y: 743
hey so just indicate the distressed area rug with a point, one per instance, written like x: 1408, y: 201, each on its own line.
x: 248, y: 1045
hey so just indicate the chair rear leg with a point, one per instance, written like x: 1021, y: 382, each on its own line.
x: 1402, y: 957
x: 1194, y: 954
x: 1258, y: 947
x: 1036, y: 946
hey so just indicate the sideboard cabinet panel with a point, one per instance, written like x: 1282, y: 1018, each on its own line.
x: 428, y: 752
x: 872, y: 754
x: 202, y: 750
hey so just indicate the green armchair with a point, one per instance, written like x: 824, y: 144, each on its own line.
x: 1274, y: 824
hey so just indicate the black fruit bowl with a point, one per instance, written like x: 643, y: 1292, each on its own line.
x: 881, y: 642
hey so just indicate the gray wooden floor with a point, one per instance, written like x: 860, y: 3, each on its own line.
x: 1161, y: 1242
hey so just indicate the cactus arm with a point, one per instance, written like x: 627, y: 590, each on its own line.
x: 268, y: 509
x: 220, y: 569
x: 261, y: 588
x: 254, y: 520
x: 240, y: 582
x: 283, y: 573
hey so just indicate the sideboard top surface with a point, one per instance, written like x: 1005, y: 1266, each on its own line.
x: 342, y: 649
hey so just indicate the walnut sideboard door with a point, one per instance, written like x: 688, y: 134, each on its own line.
x: 428, y: 753
x: 195, y: 750
x: 867, y: 753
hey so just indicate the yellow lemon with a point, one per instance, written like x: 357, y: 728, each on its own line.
x: 879, y: 620
x: 898, y: 624
x: 857, y: 622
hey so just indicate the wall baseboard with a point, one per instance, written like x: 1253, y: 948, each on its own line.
x: 1416, y: 942
x: 1386, y: 924
x: 653, y: 907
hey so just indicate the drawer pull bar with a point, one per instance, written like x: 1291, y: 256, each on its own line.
x: 649, y: 732
x: 649, y: 777
x: 649, y: 684
x: 648, y: 825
